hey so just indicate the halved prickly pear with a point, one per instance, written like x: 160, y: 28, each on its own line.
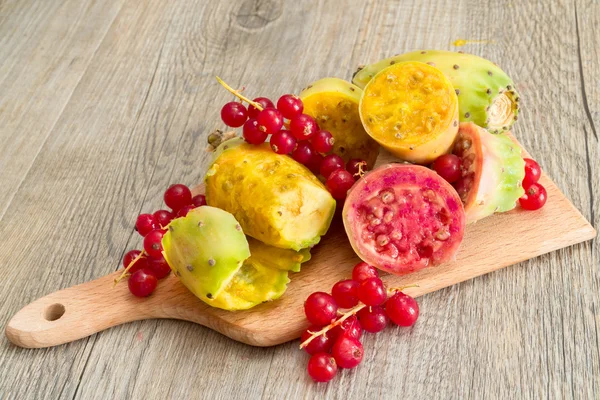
x: 401, y: 218
x: 411, y: 109
x: 486, y: 94
x: 274, y: 257
x: 275, y: 199
x: 333, y: 102
x: 492, y: 170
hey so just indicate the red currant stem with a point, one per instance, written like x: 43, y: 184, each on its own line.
x: 361, y: 171
x: 344, y: 316
x: 117, y: 280
x: 237, y: 94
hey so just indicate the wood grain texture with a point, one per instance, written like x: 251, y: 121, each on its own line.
x: 137, y: 121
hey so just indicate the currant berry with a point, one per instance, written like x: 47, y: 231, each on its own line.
x: 283, y: 142
x: 338, y: 183
x: 363, y: 271
x: 349, y: 327
x: 303, y: 153
x: 314, y: 164
x: 185, y: 210
x: 356, y: 167
x: 234, y: 114
x: 533, y: 172
x: 252, y: 134
x: 131, y: 255
x: 322, y: 367
x: 348, y: 352
x: 163, y: 217
x: 372, y: 292
x: 534, y: 198
x: 322, y: 141
x: 199, y: 200
x: 320, y: 344
x: 159, y: 267
x: 303, y: 127
x: 153, y: 244
x: 448, y: 167
x: 264, y: 102
x: 345, y: 293
x: 269, y: 121
x: 402, y: 309
x: 330, y: 163
x: 290, y: 106
x: 177, y: 196
x: 145, y: 223
x: 320, y: 308
x: 142, y: 283
x: 373, y: 319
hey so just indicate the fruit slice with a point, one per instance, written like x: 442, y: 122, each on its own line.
x: 402, y: 218
x: 411, y: 109
x: 333, y: 103
x: 274, y: 257
x: 492, y: 170
x: 275, y: 199
x: 486, y: 94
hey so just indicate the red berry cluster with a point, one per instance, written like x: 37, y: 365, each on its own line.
x: 293, y: 133
x: 148, y: 266
x: 333, y: 339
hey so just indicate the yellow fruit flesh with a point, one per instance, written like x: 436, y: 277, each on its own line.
x: 411, y: 109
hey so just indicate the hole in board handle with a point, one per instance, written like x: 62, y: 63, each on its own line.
x: 54, y: 312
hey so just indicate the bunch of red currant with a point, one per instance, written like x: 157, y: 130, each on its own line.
x: 448, y: 167
x: 293, y: 133
x: 148, y: 266
x: 333, y: 339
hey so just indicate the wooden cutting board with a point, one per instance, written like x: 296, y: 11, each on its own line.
x: 490, y: 244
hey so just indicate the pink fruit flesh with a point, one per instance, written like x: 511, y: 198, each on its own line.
x: 471, y: 161
x: 401, y: 218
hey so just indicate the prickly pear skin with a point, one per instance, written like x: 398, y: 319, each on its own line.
x: 274, y: 257
x: 478, y: 83
x: 333, y: 102
x: 275, y: 199
x: 205, y: 249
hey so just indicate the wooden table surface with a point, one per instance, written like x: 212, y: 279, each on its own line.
x: 103, y: 104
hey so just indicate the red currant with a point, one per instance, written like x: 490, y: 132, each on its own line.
x: 373, y: 319
x: 185, y: 210
x: 349, y: 327
x: 320, y: 308
x: 322, y: 367
x: 159, y: 267
x: 372, y: 292
x: 533, y: 172
x: 331, y: 163
x: 177, y: 196
x: 283, y: 142
x: 534, y: 198
x: 234, y: 114
x: 323, y: 141
x: 153, y: 244
x: 303, y: 127
x: 320, y: 344
x: 338, y: 183
x: 363, y: 271
x: 142, y: 262
x: 290, y: 106
x: 199, y: 200
x: 314, y: 163
x: 163, y: 217
x: 402, y: 309
x: 356, y: 167
x: 348, y: 352
x: 269, y: 120
x: 345, y: 293
x: 142, y: 283
x: 252, y: 134
x: 448, y: 167
x: 145, y: 223
x: 264, y: 102
x: 303, y: 153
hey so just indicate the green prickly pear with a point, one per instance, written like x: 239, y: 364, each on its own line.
x: 486, y: 94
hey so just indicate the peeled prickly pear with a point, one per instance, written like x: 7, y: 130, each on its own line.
x: 333, y: 102
x: 492, y: 171
x: 275, y: 199
x: 411, y: 109
x: 284, y: 259
x: 486, y: 94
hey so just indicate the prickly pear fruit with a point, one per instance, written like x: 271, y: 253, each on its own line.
x: 486, y: 94
x: 402, y: 217
x: 333, y: 102
x: 205, y: 249
x: 411, y: 109
x: 275, y: 199
x: 274, y: 257
x: 492, y: 170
